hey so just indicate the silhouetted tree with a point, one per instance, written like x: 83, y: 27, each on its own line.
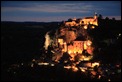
x: 106, y: 18
x: 100, y: 16
x: 65, y: 56
x: 78, y: 20
x: 113, y: 19
x: 69, y: 20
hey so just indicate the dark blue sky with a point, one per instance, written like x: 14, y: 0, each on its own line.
x: 47, y: 11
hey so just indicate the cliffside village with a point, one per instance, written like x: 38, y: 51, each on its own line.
x: 72, y: 38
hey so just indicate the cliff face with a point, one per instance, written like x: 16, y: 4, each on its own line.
x: 73, y: 40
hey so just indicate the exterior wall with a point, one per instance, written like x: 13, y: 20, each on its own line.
x: 65, y: 47
x: 85, y: 45
x: 90, y: 50
x: 77, y: 47
x: 60, y: 41
x: 91, y: 21
x: 73, y: 23
x: 70, y: 49
x: 86, y: 21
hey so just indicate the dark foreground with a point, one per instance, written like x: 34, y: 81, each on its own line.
x: 22, y: 42
x: 34, y: 72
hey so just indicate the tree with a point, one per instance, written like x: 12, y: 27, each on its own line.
x: 100, y: 16
x: 65, y: 57
x: 69, y: 20
x: 78, y: 20
x: 113, y: 19
x: 106, y: 18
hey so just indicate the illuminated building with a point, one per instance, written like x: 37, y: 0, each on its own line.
x: 72, y: 40
x: 73, y: 23
x: 85, y: 22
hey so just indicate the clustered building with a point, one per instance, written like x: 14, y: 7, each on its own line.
x: 72, y: 37
x: 85, y: 22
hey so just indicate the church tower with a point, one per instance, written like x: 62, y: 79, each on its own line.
x: 95, y: 22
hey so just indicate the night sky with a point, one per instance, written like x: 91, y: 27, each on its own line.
x: 49, y: 11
